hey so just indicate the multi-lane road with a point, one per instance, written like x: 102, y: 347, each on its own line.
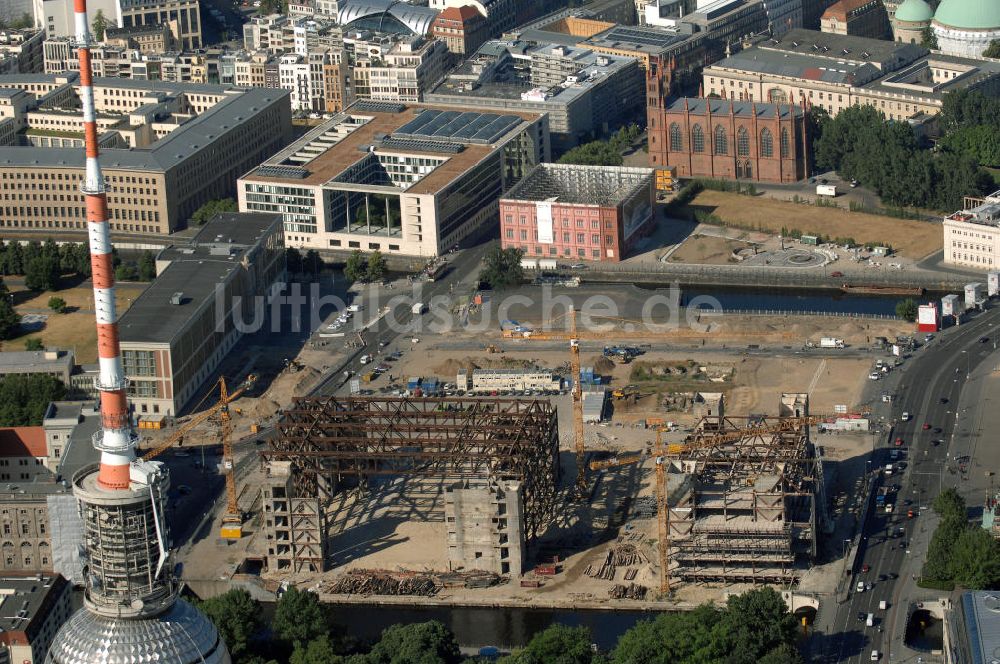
x: 893, y: 545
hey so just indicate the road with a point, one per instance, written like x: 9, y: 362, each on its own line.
x: 892, y: 546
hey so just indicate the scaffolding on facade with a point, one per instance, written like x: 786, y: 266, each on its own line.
x: 328, y: 440
x: 743, y: 510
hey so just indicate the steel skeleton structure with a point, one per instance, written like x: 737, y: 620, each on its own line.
x: 744, y: 510
x: 329, y: 438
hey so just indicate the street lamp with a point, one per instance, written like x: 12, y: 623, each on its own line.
x: 847, y: 543
x: 968, y: 364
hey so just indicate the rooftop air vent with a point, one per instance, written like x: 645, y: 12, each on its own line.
x: 177, y: 298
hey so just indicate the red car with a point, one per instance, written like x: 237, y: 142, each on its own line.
x: 926, y: 426
x: 899, y: 441
x: 837, y: 274
x: 865, y: 567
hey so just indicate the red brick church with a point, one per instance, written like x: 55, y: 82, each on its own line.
x: 723, y: 138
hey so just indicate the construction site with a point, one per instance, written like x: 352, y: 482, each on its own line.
x: 698, y: 475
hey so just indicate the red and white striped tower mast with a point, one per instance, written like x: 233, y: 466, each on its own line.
x: 116, y: 440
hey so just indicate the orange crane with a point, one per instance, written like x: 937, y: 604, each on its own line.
x: 661, y: 454
x: 232, y: 520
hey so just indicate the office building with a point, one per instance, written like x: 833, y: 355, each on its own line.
x: 404, y: 179
x: 578, y: 212
x: 679, y: 45
x: 21, y: 51
x: 56, y: 363
x: 500, y: 15
x: 714, y: 138
x: 168, y: 149
x: 402, y: 69
x: 186, y: 14
x: 861, y: 18
x: 838, y: 71
x: 972, y: 235
x: 966, y: 27
x: 150, y: 39
x: 585, y: 94
x: 178, y: 330
x: 33, y: 609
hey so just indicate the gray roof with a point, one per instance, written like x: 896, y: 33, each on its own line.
x: 741, y: 109
x: 981, y: 619
x: 235, y: 108
x: 195, y: 269
x: 81, y: 452
x: 859, y: 49
x: 644, y: 39
x: 29, y: 595
x: 33, y: 361
x: 795, y: 65
x: 416, y: 18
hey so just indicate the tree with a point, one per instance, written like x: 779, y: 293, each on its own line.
x: 907, y: 310
x: 356, y: 268
x: 293, y: 260
x: 783, y: 654
x: 312, y: 264
x: 34, y: 343
x: 99, y: 25
x: 417, y: 643
x: 318, y: 651
x: 127, y: 272
x: 502, y: 267
x: 557, y: 644
x: 975, y: 560
x: 299, y: 617
x: 928, y: 39
x: 950, y: 505
x: 595, y: 153
x: 10, y: 320
x: 237, y: 617
x: 147, y: 266
x: 42, y: 274
x: 755, y: 623
x: 24, y: 398
x: 686, y: 636
x: 376, y: 266
x: 212, y: 208
x: 938, y: 562
x: 993, y: 50
x: 57, y: 304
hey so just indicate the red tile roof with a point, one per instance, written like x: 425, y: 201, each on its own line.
x: 842, y: 8
x: 23, y: 442
x: 465, y: 13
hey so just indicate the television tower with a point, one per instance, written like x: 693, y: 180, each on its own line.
x: 131, y: 612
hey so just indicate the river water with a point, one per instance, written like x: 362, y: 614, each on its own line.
x: 476, y: 627
x: 797, y: 300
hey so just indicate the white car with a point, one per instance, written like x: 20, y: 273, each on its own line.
x: 861, y: 586
x: 874, y: 375
x: 905, y: 417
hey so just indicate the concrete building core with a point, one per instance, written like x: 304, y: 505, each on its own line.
x: 485, y: 531
x: 295, y: 527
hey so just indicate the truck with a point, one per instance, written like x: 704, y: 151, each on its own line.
x: 830, y: 342
x: 419, y: 308
x: 881, y: 496
x: 826, y: 190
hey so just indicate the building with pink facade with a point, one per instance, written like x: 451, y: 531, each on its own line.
x: 565, y: 211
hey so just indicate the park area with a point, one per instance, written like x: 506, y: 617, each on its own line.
x: 913, y: 239
x: 74, y: 329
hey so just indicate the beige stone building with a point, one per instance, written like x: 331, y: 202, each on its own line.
x: 167, y: 148
x: 972, y: 235
x: 835, y: 72
x: 861, y: 18
x: 135, y: 13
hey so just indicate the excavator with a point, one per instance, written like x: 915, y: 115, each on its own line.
x: 232, y: 520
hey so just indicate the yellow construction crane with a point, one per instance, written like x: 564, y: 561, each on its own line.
x: 232, y: 520
x: 661, y: 454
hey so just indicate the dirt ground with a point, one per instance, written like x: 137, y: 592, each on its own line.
x: 706, y: 249
x: 914, y: 239
x: 74, y: 329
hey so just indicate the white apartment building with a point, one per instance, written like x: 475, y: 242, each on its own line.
x: 303, y: 76
x: 402, y: 70
x: 972, y: 235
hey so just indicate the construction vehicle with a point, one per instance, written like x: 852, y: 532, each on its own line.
x: 626, y: 392
x: 491, y: 348
x: 662, y: 454
x: 232, y: 520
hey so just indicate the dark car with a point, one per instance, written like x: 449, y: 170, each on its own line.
x: 882, y: 577
x: 984, y: 340
x: 937, y: 441
x: 893, y: 576
x: 937, y: 429
x: 943, y: 399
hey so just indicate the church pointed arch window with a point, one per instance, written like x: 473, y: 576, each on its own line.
x: 697, y: 139
x: 766, y: 143
x: 742, y: 142
x: 676, y: 141
x: 721, y: 140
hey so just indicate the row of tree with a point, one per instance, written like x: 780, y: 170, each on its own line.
x: 365, y: 268
x: 601, y: 152
x: 753, y: 628
x: 884, y: 156
x: 203, y: 214
x: 960, y: 553
x: 44, y: 264
x: 970, y: 121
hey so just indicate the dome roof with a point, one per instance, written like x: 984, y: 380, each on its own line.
x: 914, y: 11
x: 969, y: 14
x: 180, y: 635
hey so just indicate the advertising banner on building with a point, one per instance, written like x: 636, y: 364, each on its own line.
x: 543, y: 217
x: 927, y: 318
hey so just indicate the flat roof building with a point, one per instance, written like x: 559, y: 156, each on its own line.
x: 838, y: 71
x: 974, y: 630
x: 584, y: 93
x: 54, y: 362
x: 972, y: 235
x: 578, y: 212
x: 403, y: 179
x: 167, y: 148
x: 33, y: 609
x: 176, y: 333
